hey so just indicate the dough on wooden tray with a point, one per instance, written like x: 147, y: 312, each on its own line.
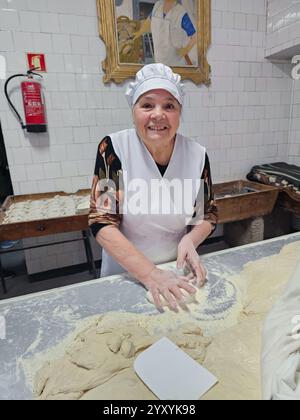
x: 58, y: 206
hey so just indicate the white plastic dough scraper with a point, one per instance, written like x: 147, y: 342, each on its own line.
x: 171, y: 374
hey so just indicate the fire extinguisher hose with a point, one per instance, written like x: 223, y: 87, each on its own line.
x: 8, y: 99
x: 29, y: 74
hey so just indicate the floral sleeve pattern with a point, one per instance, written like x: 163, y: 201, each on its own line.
x: 210, y: 207
x: 205, y: 206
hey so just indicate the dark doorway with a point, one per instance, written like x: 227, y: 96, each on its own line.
x: 6, y: 188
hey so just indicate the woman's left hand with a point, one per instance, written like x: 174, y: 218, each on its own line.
x: 187, y: 255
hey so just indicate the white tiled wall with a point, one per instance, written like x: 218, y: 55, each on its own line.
x: 242, y: 118
x: 283, y: 25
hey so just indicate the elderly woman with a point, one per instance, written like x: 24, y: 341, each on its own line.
x: 143, y: 179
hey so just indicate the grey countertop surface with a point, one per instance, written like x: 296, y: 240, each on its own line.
x: 34, y: 323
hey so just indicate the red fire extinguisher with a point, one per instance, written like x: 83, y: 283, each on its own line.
x: 33, y: 101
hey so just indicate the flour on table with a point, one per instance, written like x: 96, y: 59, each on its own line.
x: 98, y: 362
x: 234, y: 355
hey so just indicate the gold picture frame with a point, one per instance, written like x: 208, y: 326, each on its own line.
x: 119, y: 51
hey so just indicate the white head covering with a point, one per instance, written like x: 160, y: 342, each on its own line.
x: 155, y: 76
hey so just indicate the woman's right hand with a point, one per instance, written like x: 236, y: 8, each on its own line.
x: 167, y: 284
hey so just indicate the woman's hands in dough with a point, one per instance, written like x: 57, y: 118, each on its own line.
x: 167, y: 284
x: 188, y: 256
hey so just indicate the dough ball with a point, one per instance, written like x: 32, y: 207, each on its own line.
x: 127, y: 349
x: 190, y: 328
x: 114, y: 343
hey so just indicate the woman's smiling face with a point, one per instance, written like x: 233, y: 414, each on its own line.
x: 157, y: 116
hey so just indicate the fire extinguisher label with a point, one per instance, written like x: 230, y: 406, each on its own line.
x: 36, y: 61
x: 33, y: 103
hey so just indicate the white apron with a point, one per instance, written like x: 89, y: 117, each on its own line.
x: 156, y: 233
x: 168, y: 34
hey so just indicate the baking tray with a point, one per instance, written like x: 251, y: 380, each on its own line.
x: 41, y: 227
x: 241, y: 200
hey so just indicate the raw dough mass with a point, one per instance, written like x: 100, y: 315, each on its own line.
x: 98, y: 362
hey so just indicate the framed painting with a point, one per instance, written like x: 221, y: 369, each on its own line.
x: 138, y: 32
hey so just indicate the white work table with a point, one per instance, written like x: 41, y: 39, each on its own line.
x: 34, y: 323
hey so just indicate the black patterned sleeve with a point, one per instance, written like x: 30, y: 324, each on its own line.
x: 107, y: 188
x: 205, y: 206
x: 210, y: 207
